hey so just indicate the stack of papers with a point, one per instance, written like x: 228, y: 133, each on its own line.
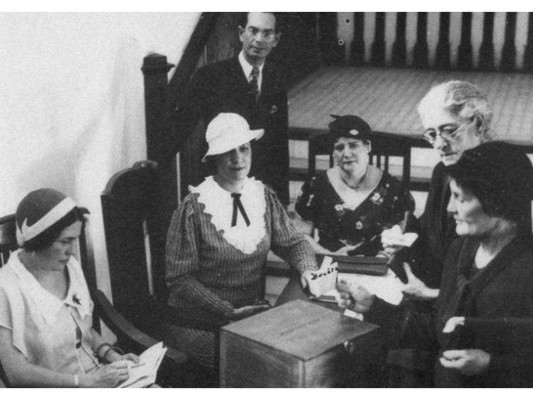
x: 144, y: 373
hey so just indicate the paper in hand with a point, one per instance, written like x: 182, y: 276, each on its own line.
x: 394, y: 236
x: 324, y: 279
x: 144, y: 373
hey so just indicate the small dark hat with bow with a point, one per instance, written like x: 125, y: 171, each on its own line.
x: 350, y: 126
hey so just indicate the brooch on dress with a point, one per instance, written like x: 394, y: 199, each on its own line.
x: 377, y: 199
x: 340, y: 210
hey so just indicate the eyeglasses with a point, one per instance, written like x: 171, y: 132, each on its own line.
x: 267, y: 34
x: 447, y: 133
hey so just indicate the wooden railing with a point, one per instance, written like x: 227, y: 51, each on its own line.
x: 382, y: 144
x: 161, y: 99
x: 380, y: 39
x: 480, y: 41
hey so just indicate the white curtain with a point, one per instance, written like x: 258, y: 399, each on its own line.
x: 72, y: 101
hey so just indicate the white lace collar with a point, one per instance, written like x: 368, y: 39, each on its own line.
x: 219, y: 204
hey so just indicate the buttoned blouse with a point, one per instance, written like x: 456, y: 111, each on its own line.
x: 49, y: 332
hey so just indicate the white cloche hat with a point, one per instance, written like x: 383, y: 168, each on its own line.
x: 227, y: 131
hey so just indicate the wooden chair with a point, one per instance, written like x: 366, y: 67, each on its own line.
x: 8, y: 243
x: 384, y: 146
x: 136, y: 253
x: 131, y: 339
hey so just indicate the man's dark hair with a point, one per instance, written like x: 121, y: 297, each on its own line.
x: 242, y: 19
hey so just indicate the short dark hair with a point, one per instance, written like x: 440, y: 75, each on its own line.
x: 49, y: 236
x: 500, y: 176
x: 242, y: 19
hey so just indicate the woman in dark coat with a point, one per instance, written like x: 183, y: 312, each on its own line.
x: 485, y: 302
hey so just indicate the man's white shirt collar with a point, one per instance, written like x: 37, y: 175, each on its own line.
x: 247, y: 69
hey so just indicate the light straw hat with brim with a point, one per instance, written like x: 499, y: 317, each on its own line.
x: 226, y: 132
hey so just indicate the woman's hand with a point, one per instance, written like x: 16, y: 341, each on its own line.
x: 415, y: 288
x: 113, y: 356
x: 314, y: 244
x: 354, y: 297
x: 389, y: 248
x: 453, y: 323
x: 468, y: 362
x: 107, y: 376
x: 247, y: 311
x: 343, y: 251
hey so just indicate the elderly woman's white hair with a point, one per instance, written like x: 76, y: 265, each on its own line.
x: 460, y: 98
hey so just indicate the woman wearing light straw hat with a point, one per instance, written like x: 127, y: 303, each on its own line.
x: 220, y: 235
x: 46, y: 334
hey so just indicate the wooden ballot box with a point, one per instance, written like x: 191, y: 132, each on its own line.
x: 300, y: 344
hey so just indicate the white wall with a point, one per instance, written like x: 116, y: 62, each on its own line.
x: 72, y: 105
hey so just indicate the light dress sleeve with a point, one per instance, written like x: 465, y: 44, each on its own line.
x: 12, y: 310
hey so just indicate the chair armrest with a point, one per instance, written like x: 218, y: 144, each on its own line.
x: 138, y: 340
x: 278, y: 268
x: 201, y: 320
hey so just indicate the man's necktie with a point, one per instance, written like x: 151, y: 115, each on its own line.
x: 237, y: 206
x: 254, y: 82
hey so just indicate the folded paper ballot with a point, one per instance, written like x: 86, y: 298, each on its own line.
x: 144, y: 373
x: 394, y: 236
x: 324, y: 279
x: 387, y: 287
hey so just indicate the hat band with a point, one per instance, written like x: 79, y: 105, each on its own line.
x: 223, y: 145
x: 26, y: 233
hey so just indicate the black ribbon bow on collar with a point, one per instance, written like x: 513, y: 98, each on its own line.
x: 237, y: 206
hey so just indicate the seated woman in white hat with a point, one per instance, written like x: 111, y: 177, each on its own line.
x: 220, y: 235
x: 46, y: 334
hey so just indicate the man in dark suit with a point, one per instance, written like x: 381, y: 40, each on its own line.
x: 251, y: 86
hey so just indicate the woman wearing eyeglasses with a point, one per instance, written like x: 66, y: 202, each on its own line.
x: 348, y: 206
x: 456, y: 116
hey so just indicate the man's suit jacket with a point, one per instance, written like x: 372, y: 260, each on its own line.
x: 223, y: 87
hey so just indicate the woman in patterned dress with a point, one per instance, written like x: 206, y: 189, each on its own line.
x: 348, y: 206
x: 219, y: 238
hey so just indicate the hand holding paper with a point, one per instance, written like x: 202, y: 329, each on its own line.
x: 354, y: 296
x: 322, y: 280
x: 144, y: 373
x: 395, y: 237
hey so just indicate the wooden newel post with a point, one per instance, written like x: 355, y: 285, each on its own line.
x: 155, y: 69
x: 158, y: 134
